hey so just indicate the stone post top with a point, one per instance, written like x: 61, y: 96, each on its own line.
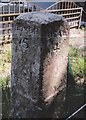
x: 39, y: 17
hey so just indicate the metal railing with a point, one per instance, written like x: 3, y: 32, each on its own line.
x: 76, y: 112
x: 69, y: 10
x: 8, y: 13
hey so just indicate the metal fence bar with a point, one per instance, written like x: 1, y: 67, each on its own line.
x: 28, y: 8
x: 70, y: 11
x: 3, y: 24
x: 6, y: 20
x: 80, y: 17
x: 73, y: 9
x: 76, y: 111
x: 9, y: 21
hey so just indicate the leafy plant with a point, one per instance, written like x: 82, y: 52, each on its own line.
x: 4, y: 82
x: 78, y: 67
x: 9, y: 56
x: 6, y: 99
x: 74, y: 52
x: 77, y: 62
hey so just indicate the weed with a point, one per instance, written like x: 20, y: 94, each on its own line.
x: 6, y: 99
x: 9, y: 55
x: 4, y: 82
x: 77, y: 62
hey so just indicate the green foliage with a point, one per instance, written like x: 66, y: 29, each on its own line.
x: 4, y: 82
x: 85, y: 67
x: 5, y: 59
x: 6, y: 99
x: 2, y: 65
x: 6, y: 103
x: 78, y: 67
x: 77, y: 61
x: 74, y: 52
x: 9, y: 56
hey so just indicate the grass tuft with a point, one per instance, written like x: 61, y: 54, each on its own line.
x: 77, y: 61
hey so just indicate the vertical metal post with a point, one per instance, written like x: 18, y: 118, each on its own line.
x: 19, y: 6
x: 14, y: 11
x: 9, y: 21
x: 23, y: 8
x: 3, y: 24
x: 28, y: 7
x: 80, y: 18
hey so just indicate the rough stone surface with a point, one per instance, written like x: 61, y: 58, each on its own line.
x: 41, y: 18
x: 39, y: 61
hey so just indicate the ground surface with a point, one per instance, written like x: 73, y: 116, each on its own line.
x: 77, y: 38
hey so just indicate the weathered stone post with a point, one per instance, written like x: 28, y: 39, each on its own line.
x: 39, y: 61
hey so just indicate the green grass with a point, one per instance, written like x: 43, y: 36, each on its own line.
x: 4, y: 82
x: 77, y: 62
x: 9, y: 56
x: 5, y: 59
x: 6, y: 98
x: 5, y: 79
